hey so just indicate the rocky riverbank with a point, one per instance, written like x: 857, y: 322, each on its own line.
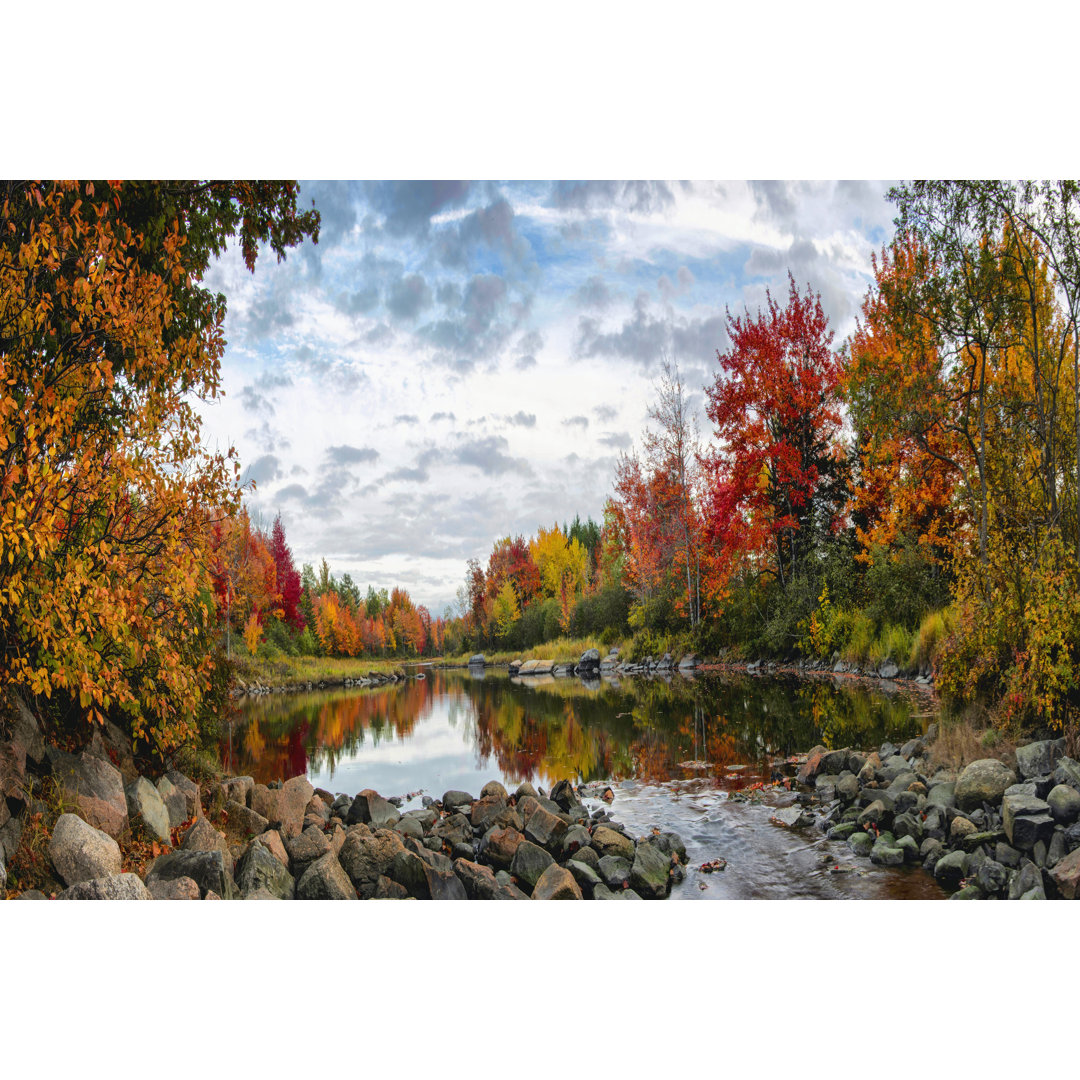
x: 122, y: 836
x: 989, y: 831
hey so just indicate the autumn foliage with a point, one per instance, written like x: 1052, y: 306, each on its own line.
x: 105, y: 339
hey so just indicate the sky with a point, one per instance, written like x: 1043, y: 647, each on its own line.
x: 455, y: 361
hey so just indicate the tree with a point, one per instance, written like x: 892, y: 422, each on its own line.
x: 776, y: 477
x: 106, y: 337
x: 288, y: 577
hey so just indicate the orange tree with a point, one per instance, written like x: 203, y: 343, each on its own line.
x: 107, y: 342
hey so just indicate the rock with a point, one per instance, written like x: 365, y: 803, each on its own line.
x: 26, y: 734
x: 425, y: 881
x: 992, y: 877
x: 1039, y: 758
x: 813, y: 765
x: 874, y: 814
x: 409, y: 826
x: 1026, y: 820
x: 190, y: 791
x: 79, y: 852
x: 575, y: 838
x: 239, y: 788
x: 649, y: 873
x: 847, y: 788
x: 457, y: 831
x: 910, y: 847
x: 1066, y: 875
x: 113, y: 887
x: 202, y: 836
x: 207, y: 868
x: 545, y: 829
x: 478, y: 881
x: 477, y: 660
x: 564, y: 795
x: 960, y: 828
x: 585, y: 875
x: 305, y: 849
x: 529, y: 862
x: 525, y: 790
x: 1064, y: 803
x: 557, y: 883
x: 271, y: 805
x: 146, y: 809
x: 491, y: 811
x: 385, y: 889
x: 365, y: 858
x: 1067, y: 772
x: 983, y: 781
x: 325, y: 879
x: 861, y: 843
x: 607, y: 841
x: 791, y: 817
x: 242, y: 823
x: 370, y: 808
x: 615, y: 871
x: 500, y: 845
x: 888, y: 669
x: 95, y: 786
x: 886, y: 854
x: 175, y: 802
x: 493, y: 789
x: 1025, y: 879
x: 181, y: 888
x: 949, y: 870
x: 259, y: 869
x: 895, y: 766
x: 943, y: 795
x: 456, y: 800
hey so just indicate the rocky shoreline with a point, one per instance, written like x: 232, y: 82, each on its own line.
x: 988, y: 831
x: 236, y: 839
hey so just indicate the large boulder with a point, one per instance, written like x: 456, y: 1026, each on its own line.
x: 499, y: 847
x: 370, y: 808
x: 113, y: 887
x: 365, y: 858
x: 13, y: 784
x: 95, y: 786
x: 79, y: 852
x: 1064, y: 802
x: 208, y: 868
x: 325, y: 879
x: 1026, y: 820
x: 1066, y: 875
x: 607, y: 841
x: 307, y: 848
x: 190, y: 790
x: 176, y: 803
x: 181, y: 888
x: 983, y: 781
x: 283, y: 807
x: 1039, y: 758
x: 242, y: 823
x: 477, y: 660
x: 649, y: 873
x: 556, y: 883
x: 202, y: 836
x: 423, y: 880
x: 530, y: 861
x: 147, y: 810
x: 26, y: 732
x: 545, y: 829
x: 258, y: 869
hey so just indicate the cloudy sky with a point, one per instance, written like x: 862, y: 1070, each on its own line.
x: 455, y: 361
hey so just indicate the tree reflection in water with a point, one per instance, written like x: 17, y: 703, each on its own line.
x: 547, y: 729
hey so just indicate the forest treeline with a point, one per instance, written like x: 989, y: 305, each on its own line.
x: 910, y: 493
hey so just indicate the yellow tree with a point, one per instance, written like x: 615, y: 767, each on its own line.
x: 106, y: 337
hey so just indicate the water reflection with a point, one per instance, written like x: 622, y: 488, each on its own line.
x: 543, y: 730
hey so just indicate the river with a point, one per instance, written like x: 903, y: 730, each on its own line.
x: 694, y: 755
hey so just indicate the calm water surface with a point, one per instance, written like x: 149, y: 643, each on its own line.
x: 681, y: 755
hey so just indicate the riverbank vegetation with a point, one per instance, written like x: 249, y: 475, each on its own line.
x: 911, y: 494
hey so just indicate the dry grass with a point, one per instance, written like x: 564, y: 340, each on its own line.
x: 297, y: 670
x: 969, y: 737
